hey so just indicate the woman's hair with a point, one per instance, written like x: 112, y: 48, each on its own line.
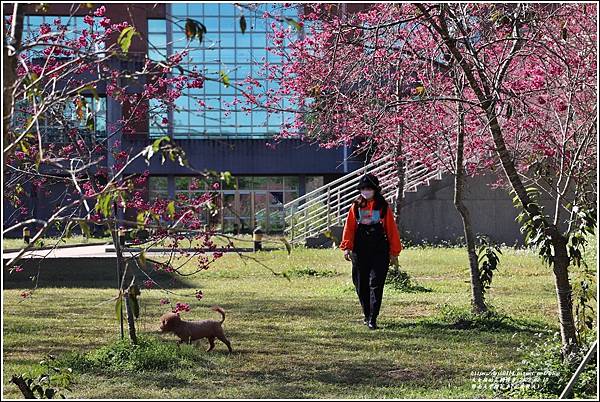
x: 380, y: 201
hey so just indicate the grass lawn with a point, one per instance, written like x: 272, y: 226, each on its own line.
x: 300, y: 338
x: 51, y: 242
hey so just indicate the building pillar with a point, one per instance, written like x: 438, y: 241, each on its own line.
x: 301, y: 185
x: 171, y: 186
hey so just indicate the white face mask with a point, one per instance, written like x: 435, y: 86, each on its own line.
x: 368, y: 194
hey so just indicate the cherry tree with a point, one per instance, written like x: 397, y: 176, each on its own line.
x: 374, y: 78
x: 480, y: 85
x: 53, y: 148
x: 532, y: 70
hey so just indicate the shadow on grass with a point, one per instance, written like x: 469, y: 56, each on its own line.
x: 84, y: 272
x: 464, y: 321
x: 296, y: 350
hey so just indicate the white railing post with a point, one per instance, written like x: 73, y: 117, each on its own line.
x: 305, y: 220
x: 327, y: 206
x: 292, y: 224
x: 339, y: 205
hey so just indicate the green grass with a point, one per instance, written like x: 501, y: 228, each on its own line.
x: 293, y: 338
x: 52, y: 241
x: 242, y: 241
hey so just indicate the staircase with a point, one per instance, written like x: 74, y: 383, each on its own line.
x: 317, y: 212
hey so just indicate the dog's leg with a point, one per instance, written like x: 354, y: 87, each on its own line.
x: 222, y: 338
x: 211, y: 341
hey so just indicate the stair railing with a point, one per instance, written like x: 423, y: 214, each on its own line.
x: 327, y: 206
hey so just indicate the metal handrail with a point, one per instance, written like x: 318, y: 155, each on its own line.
x: 318, y: 210
x: 326, y: 192
x: 341, y: 179
x: 327, y: 189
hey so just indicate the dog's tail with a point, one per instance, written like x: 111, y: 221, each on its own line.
x: 220, y: 311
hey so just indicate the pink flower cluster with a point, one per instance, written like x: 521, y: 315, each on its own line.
x: 181, y: 307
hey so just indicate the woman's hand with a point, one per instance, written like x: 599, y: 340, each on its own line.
x: 394, y: 260
x: 348, y: 255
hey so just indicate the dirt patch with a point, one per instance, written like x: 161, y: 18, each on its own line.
x: 420, y: 374
x: 404, y: 375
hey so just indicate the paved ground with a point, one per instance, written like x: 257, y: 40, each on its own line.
x: 85, y: 267
x: 70, y: 252
x: 97, y: 251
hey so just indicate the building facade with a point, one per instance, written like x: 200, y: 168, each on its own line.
x: 265, y: 175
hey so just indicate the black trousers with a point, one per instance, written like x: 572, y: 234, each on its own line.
x: 370, y: 263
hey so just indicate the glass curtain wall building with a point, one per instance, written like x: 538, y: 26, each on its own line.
x: 212, y: 112
x: 212, y: 123
x: 55, y: 129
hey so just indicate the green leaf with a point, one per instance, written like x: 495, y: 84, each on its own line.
x: 85, y: 229
x: 125, y: 37
x: 293, y: 23
x: 142, y: 259
x: 224, y: 78
x: 135, y: 306
x: 41, y: 8
x: 89, y: 124
x: 191, y: 29
x: 226, y: 177
x: 171, y: 209
x: 243, y: 24
x: 157, y: 142
x: 119, y: 308
x: 141, y: 218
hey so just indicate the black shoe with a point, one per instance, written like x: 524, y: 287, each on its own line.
x: 365, y: 321
x: 372, y: 324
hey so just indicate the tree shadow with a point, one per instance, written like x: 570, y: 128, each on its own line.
x: 500, y: 324
x: 83, y: 272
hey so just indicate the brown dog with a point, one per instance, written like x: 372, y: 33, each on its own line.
x: 189, y: 331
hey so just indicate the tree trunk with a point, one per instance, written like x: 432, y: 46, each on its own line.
x: 119, y: 252
x: 559, y: 242
x: 130, y: 319
x: 9, y: 72
x: 484, y: 93
x: 562, y: 285
x: 400, y: 171
x: 477, y: 297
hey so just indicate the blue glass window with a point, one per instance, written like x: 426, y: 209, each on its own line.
x: 224, y: 49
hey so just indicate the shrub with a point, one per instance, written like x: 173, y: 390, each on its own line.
x: 149, y: 354
x: 552, y: 372
x: 303, y: 272
x: 400, y: 280
x: 491, y: 320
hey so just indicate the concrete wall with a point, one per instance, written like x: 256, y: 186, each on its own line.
x: 429, y: 215
x: 246, y: 157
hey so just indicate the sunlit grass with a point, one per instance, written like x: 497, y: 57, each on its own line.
x: 299, y: 337
x: 18, y: 243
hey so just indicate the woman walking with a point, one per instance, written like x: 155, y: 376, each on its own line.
x: 371, y: 241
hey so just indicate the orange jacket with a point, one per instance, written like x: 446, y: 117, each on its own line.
x: 389, y: 225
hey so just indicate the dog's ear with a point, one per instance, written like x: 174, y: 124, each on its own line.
x: 173, y: 319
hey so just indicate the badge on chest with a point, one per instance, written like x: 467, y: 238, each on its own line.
x: 368, y: 216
